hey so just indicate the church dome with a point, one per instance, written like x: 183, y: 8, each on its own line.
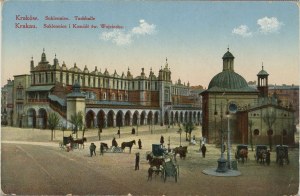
x: 228, y: 80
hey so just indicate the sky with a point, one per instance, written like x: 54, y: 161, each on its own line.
x: 192, y: 35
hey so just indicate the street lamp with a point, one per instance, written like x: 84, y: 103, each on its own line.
x: 221, y: 161
x: 228, y: 141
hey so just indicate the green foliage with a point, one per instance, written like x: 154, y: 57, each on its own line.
x: 53, y: 121
x: 77, y: 121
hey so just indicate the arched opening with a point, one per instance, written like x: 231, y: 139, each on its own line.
x: 172, y: 118
x: 31, y: 118
x: 190, y: 117
x: 143, y: 115
x: 127, y: 118
x: 256, y: 132
x: 185, y: 117
x: 176, y: 120
x: 150, y: 118
x: 101, y: 119
x: 198, y: 118
x: 181, y: 117
x: 42, y: 118
x: 89, y: 119
x: 166, y: 118
x: 135, y: 118
x: 119, y: 119
x: 156, y: 118
x: 110, y: 118
x: 194, y: 117
x: 270, y: 132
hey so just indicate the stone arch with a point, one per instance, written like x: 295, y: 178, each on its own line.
x: 110, y: 118
x: 127, y: 118
x: 150, y: 118
x: 185, y: 117
x: 172, y: 117
x: 31, y: 118
x: 143, y: 116
x: 89, y: 119
x: 42, y: 115
x: 190, y: 117
x: 166, y: 118
x: 119, y: 119
x: 101, y: 120
x: 176, y: 120
x: 156, y: 117
x: 135, y: 118
x: 181, y: 117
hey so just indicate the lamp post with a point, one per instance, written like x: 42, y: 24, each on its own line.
x: 228, y: 141
x: 221, y: 161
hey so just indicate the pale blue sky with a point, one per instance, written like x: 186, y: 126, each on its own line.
x: 194, y: 35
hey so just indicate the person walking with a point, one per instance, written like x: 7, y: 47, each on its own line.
x: 140, y: 144
x: 203, y: 149
x: 268, y: 159
x: 101, y: 149
x: 162, y: 141
x: 92, y: 149
x: 137, y: 161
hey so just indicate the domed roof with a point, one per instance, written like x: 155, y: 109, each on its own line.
x: 227, y: 55
x: 262, y: 72
x: 228, y: 80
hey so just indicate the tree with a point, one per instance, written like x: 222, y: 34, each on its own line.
x: 270, y: 118
x: 188, y: 128
x: 77, y: 121
x: 53, y: 122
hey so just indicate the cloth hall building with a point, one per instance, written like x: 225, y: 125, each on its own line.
x: 106, y: 99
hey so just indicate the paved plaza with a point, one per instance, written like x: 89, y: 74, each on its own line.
x: 31, y: 164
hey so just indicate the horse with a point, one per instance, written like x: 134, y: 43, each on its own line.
x: 261, y: 156
x: 155, y: 170
x: 242, y: 153
x: 127, y: 144
x: 80, y: 141
x: 154, y: 161
x: 105, y: 146
x: 181, y: 151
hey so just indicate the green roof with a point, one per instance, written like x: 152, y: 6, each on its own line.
x: 40, y: 88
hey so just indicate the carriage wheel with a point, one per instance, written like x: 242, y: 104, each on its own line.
x: 178, y: 170
x: 176, y: 176
x: 165, y: 176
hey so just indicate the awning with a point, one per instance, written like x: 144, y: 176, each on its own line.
x: 40, y: 88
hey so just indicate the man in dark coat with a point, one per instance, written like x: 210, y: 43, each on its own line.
x: 162, y: 141
x: 203, y: 149
x: 137, y: 161
x: 140, y: 144
x: 92, y: 149
x: 114, y: 143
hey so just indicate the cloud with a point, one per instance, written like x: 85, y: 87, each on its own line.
x: 242, y: 30
x: 121, y: 37
x: 144, y: 28
x: 269, y: 25
x: 117, y: 37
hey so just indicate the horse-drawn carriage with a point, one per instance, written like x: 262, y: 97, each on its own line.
x: 241, y: 152
x: 261, y: 153
x: 282, y: 154
x: 170, y: 169
x: 69, y: 143
x: 159, y: 160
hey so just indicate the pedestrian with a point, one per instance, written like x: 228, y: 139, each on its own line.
x: 140, y: 144
x: 137, y: 161
x: 268, y: 160
x: 114, y: 142
x: 118, y: 133
x: 101, y: 149
x: 92, y: 149
x: 203, y: 149
x: 133, y: 131
x: 162, y: 141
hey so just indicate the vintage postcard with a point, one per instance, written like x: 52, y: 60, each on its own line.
x: 149, y: 97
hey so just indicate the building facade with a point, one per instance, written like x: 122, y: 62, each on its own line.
x: 250, y: 114
x: 106, y: 100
